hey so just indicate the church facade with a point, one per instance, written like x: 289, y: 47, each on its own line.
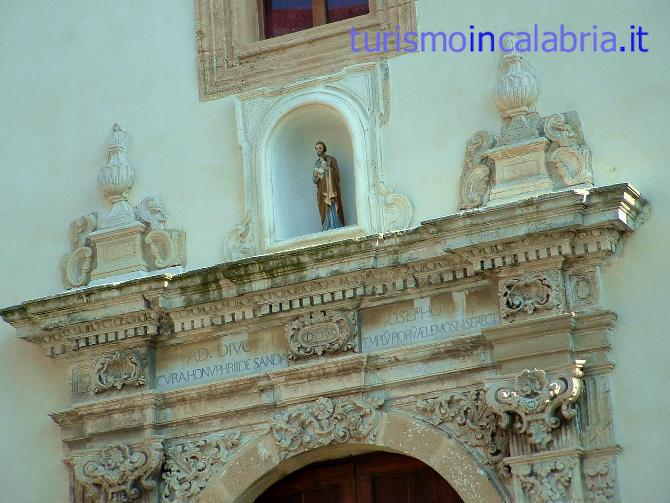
x: 467, y: 285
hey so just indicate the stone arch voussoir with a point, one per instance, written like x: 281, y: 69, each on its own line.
x: 260, y: 463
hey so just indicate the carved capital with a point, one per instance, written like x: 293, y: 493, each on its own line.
x: 546, y: 481
x: 325, y: 421
x: 189, y: 465
x: 119, y: 369
x: 531, y: 293
x: 534, y: 399
x: 119, y: 473
x: 322, y: 332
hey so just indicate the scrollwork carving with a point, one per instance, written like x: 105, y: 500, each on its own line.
x: 476, y: 177
x: 476, y: 423
x: 546, y: 481
x: 167, y: 247
x: 397, y: 209
x: 119, y: 369
x: 241, y: 240
x: 189, y: 465
x: 322, y: 332
x: 119, y: 473
x: 76, y: 267
x: 325, y: 421
x: 534, y: 400
x: 531, y: 293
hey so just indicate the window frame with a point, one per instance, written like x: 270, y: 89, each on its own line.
x: 234, y: 56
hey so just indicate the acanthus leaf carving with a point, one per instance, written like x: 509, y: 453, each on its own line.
x: 322, y: 332
x: 570, y: 158
x: 189, y: 465
x: 325, y: 421
x: 532, y: 292
x: 475, y: 422
x: 600, y: 483
x: 546, y: 481
x: 119, y: 369
x: 534, y: 399
x: 119, y: 473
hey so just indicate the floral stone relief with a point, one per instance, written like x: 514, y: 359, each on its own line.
x: 531, y: 293
x: 119, y: 473
x: 546, y: 481
x: 325, y: 421
x: 189, y: 465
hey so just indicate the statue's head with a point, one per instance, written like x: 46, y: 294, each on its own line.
x: 320, y: 148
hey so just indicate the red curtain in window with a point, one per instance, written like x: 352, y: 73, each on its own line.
x: 287, y: 16
x: 339, y: 10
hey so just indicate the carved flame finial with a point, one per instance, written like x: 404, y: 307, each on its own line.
x: 116, y: 179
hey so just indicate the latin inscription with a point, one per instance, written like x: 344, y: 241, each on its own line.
x: 234, y: 356
x: 424, y: 321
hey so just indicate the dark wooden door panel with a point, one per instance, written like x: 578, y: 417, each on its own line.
x: 374, y: 478
x: 328, y: 483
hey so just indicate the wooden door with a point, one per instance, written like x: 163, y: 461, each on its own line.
x: 374, y: 478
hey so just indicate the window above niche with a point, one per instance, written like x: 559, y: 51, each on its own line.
x: 248, y: 44
x: 281, y: 17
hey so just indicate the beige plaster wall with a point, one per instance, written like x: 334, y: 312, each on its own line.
x: 71, y: 70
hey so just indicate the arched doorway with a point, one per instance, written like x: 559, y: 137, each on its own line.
x: 371, y: 478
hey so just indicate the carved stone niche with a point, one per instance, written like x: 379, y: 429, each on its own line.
x: 129, y: 241
x: 323, y: 332
x: 532, y: 155
x: 277, y: 130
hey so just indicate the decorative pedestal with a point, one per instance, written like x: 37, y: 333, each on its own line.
x: 119, y: 251
x: 520, y: 170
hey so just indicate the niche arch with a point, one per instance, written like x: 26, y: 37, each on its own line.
x: 356, y: 100
x: 258, y: 465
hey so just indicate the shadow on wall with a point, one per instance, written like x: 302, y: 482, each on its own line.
x: 291, y: 156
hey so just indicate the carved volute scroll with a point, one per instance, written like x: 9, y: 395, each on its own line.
x: 322, y: 332
x: 474, y: 186
x: 533, y: 401
x: 325, y: 421
x: 127, y: 241
x: 119, y: 473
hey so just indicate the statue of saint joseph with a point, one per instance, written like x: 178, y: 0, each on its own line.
x: 326, y: 176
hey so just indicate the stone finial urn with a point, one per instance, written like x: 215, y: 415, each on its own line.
x: 116, y: 179
x: 517, y: 89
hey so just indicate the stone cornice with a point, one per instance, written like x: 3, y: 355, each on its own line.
x: 439, y: 253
